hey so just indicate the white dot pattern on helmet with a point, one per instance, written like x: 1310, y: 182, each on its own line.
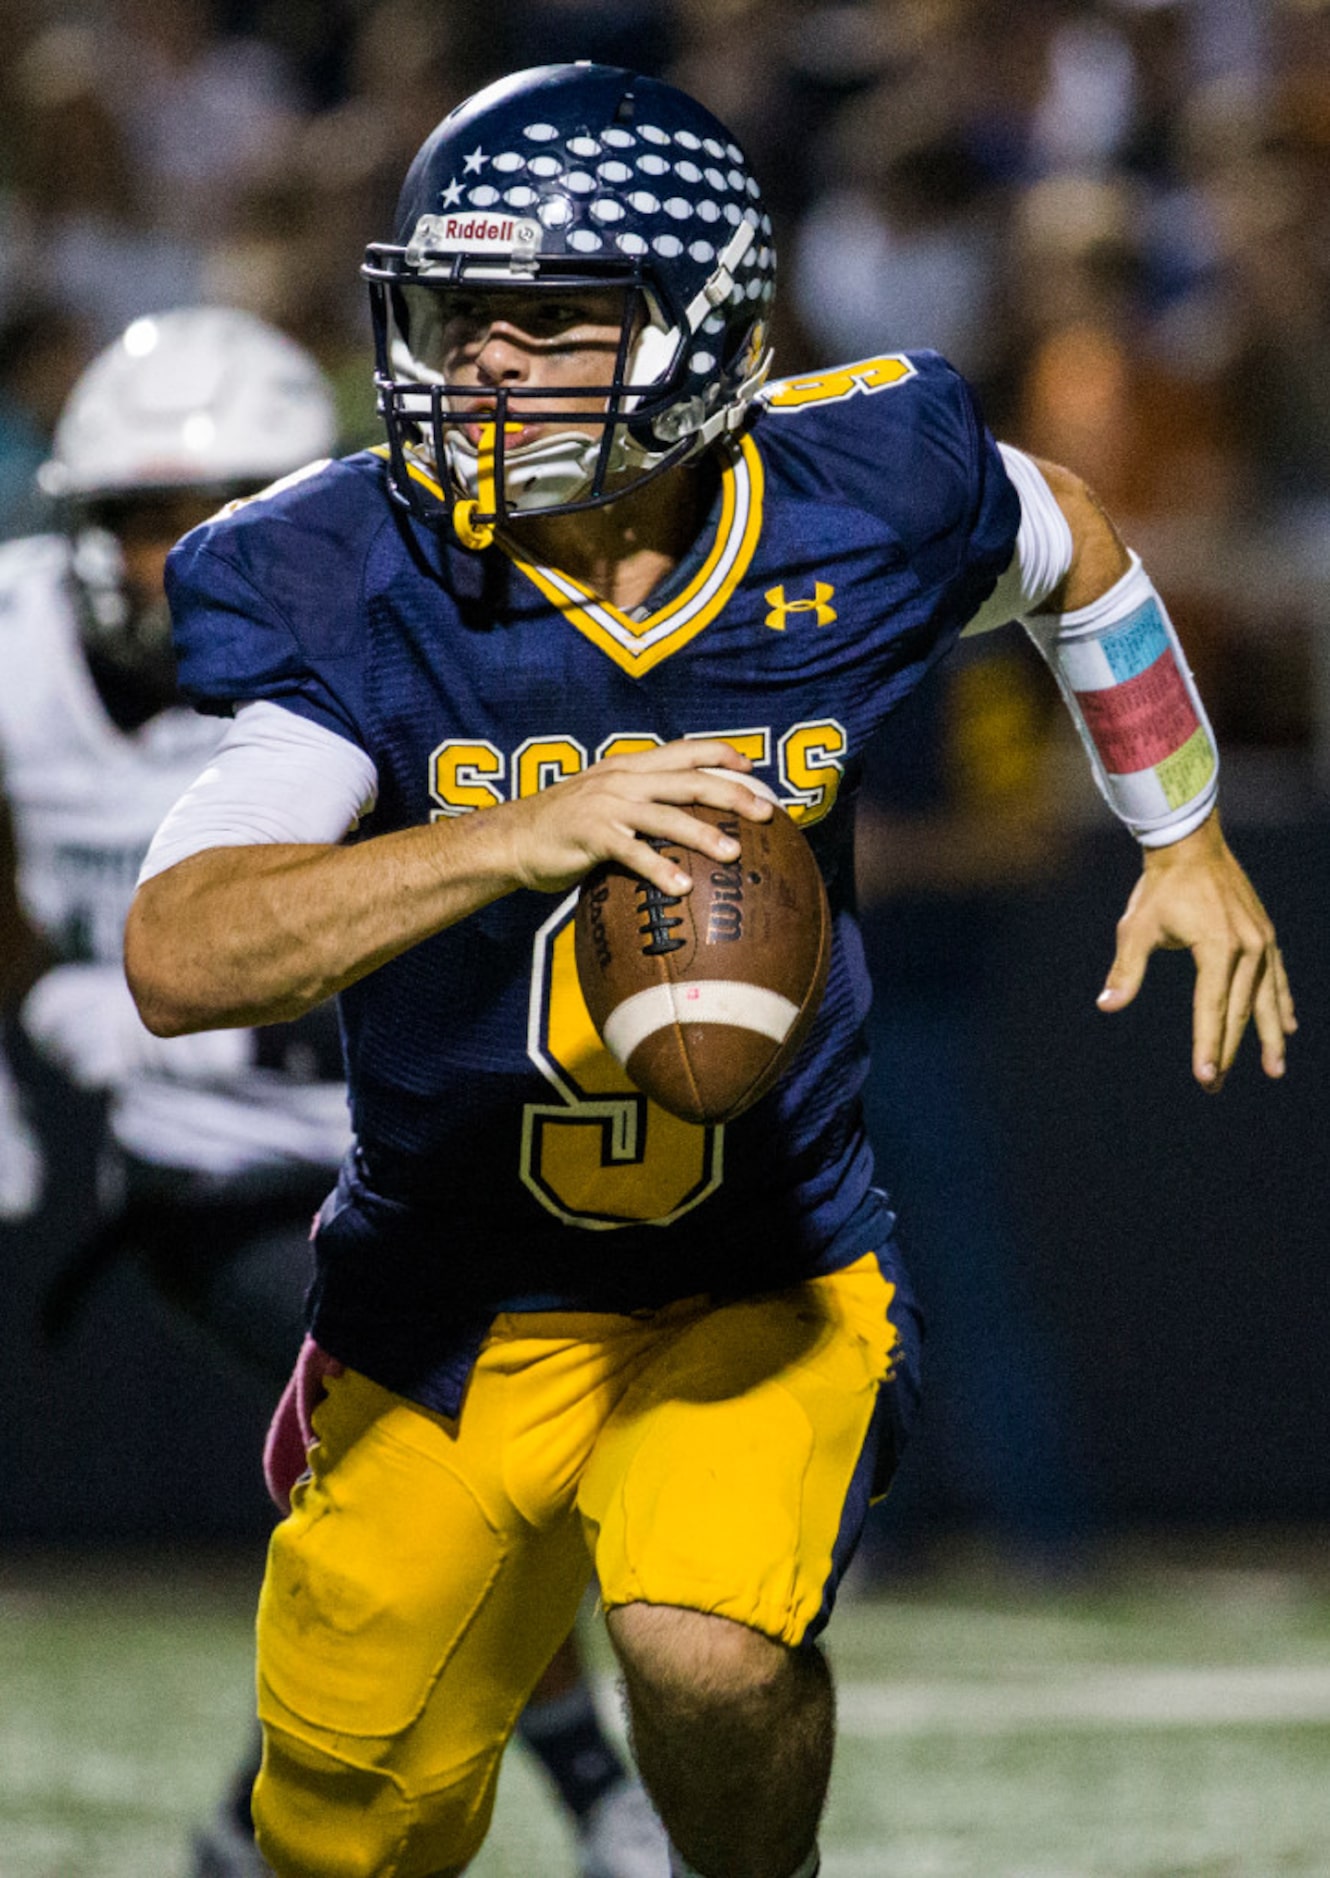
x: 587, y: 190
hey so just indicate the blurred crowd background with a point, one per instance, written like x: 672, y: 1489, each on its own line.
x: 1114, y: 217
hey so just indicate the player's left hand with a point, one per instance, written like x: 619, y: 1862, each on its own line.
x: 1195, y: 895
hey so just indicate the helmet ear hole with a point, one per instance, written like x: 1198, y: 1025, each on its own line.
x: 652, y: 354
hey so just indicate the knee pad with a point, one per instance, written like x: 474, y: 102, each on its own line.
x: 318, y: 1816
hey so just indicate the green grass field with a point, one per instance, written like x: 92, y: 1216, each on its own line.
x: 1167, y: 1714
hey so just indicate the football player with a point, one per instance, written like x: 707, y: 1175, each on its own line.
x: 222, y: 1145
x: 602, y: 568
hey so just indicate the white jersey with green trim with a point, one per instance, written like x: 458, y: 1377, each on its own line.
x: 85, y: 798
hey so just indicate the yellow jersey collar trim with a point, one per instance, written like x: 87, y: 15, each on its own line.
x: 414, y: 470
x: 639, y: 644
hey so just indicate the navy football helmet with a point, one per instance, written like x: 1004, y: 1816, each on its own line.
x: 561, y: 180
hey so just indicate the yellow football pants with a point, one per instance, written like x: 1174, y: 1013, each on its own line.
x: 429, y: 1569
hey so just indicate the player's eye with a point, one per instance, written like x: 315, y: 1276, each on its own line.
x: 557, y: 316
x: 464, y: 310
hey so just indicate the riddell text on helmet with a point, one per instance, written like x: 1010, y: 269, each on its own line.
x: 476, y: 228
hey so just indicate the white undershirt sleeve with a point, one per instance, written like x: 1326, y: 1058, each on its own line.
x: 1043, y: 548
x: 275, y: 776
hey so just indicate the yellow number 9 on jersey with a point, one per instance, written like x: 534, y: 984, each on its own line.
x: 867, y: 376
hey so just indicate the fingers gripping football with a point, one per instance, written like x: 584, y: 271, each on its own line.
x: 635, y: 811
x: 706, y: 997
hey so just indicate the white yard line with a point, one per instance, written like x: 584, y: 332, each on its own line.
x: 1144, y: 1697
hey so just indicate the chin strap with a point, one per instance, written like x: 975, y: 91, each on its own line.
x: 470, y: 532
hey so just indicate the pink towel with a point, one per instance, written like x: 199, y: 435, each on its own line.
x: 290, y: 1431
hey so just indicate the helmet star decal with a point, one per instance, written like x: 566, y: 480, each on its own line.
x: 563, y: 181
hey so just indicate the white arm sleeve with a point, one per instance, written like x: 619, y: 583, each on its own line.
x: 275, y: 776
x: 1043, y: 548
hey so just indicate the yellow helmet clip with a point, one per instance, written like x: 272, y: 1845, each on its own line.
x: 470, y: 532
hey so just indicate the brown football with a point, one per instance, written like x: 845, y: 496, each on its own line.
x: 705, y: 998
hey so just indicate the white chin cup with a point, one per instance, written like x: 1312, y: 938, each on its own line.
x: 547, y: 473
x: 553, y: 470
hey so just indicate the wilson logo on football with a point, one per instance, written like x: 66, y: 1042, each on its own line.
x: 705, y: 997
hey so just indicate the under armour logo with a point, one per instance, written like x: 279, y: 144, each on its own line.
x: 780, y: 606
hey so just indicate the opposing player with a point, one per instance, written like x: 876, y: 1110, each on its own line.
x: 600, y: 572
x: 222, y: 1145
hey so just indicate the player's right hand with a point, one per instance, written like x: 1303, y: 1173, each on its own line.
x: 618, y: 808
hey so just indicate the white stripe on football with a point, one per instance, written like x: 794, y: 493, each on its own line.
x: 697, y: 1001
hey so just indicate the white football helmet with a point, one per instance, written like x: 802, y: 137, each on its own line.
x: 201, y: 398
x: 206, y: 402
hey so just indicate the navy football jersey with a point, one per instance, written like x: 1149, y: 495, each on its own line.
x: 503, y: 1159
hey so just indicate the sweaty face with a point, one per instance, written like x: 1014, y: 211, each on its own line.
x: 525, y: 341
